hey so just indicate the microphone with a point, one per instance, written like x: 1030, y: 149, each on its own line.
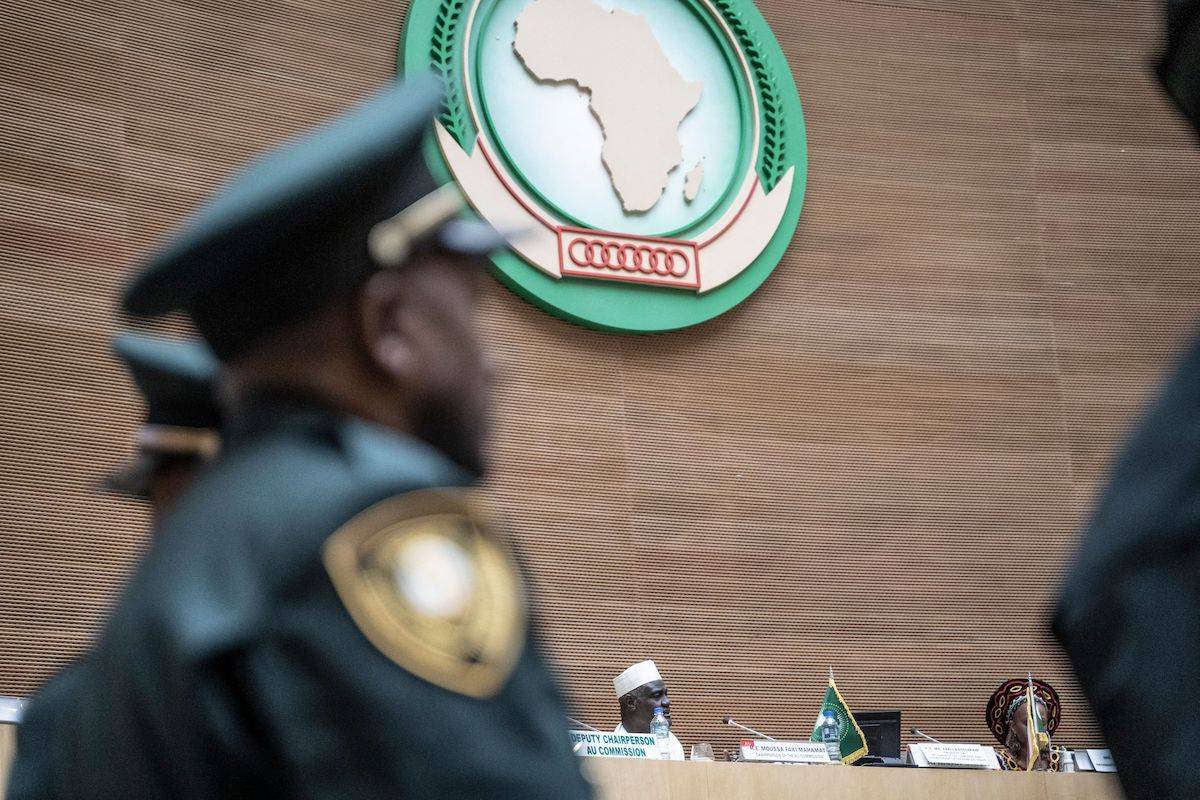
x: 917, y: 732
x: 729, y: 721
x: 583, y: 725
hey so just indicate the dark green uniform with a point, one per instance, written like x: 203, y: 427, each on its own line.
x: 1179, y: 69
x: 32, y: 776
x: 325, y: 614
x: 175, y: 380
x: 1129, y: 614
x: 232, y: 668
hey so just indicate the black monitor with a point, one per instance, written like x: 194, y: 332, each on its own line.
x: 882, y: 729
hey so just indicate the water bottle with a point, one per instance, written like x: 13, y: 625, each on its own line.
x: 660, y: 729
x: 831, y: 735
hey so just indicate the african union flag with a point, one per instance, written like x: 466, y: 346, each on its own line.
x: 853, y: 743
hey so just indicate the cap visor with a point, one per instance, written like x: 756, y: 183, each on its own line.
x: 470, y: 237
x: 131, y: 480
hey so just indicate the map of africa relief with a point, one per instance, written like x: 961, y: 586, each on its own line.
x: 635, y: 93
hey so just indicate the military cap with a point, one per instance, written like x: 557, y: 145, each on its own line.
x: 310, y: 222
x: 176, y: 380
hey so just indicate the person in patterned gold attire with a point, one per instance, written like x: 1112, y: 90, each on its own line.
x: 1007, y: 719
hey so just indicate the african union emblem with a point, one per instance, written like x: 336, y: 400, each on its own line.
x: 651, y: 153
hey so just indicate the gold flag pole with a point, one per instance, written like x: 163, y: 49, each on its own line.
x: 1032, y: 753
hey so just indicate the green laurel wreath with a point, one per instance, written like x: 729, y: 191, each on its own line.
x: 443, y: 55
x: 772, y: 159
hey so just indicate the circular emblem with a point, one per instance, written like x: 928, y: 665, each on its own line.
x: 435, y: 575
x: 427, y: 584
x: 646, y: 158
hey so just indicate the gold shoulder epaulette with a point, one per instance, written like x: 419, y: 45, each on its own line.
x: 430, y: 586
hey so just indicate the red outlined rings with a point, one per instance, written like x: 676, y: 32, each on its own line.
x: 622, y: 257
x: 648, y: 259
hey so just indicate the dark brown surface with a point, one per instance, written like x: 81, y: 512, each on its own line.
x: 878, y: 462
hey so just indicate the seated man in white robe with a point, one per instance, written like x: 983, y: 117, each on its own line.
x: 640, y: 689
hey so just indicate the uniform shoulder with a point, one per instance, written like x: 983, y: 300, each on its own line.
x: 255, y: 523
x: 299, y: 484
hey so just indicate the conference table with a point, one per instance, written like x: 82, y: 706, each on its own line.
x: 638, y: 779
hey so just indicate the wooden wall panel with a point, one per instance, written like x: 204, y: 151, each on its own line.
x: 878, y: 462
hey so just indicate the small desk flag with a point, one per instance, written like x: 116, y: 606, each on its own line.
x: 853, y: 743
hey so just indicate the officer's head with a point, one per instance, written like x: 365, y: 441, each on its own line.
x: 401, y: 349
x: 419, y: 335
x: 158, y: 479
x: 169, y: 479
x: 639, y: 690
x: 337, y: 268
x: 179, y: 433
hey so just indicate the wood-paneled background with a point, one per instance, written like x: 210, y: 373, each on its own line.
x: 878, y: 462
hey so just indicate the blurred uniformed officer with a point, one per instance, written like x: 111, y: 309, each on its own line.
x: 325, y: 613
x: 1179, y: 68
x: 1129, y: 615
x: 180, y: 433
x: 176, y: 438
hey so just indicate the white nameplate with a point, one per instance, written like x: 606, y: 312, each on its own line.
x: 614, y: 745
x: 959, y: 756
x: 788, y: 752
x: 1102, y: 760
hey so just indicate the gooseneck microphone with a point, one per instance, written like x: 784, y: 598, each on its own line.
x: 583, y: 725
x: 917, y: 732
x: 729, y: 721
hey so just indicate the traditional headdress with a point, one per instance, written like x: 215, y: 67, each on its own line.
x: 1011, y: 693
x: 639, y: 674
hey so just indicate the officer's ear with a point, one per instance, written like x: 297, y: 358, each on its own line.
x: 384, y: 327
